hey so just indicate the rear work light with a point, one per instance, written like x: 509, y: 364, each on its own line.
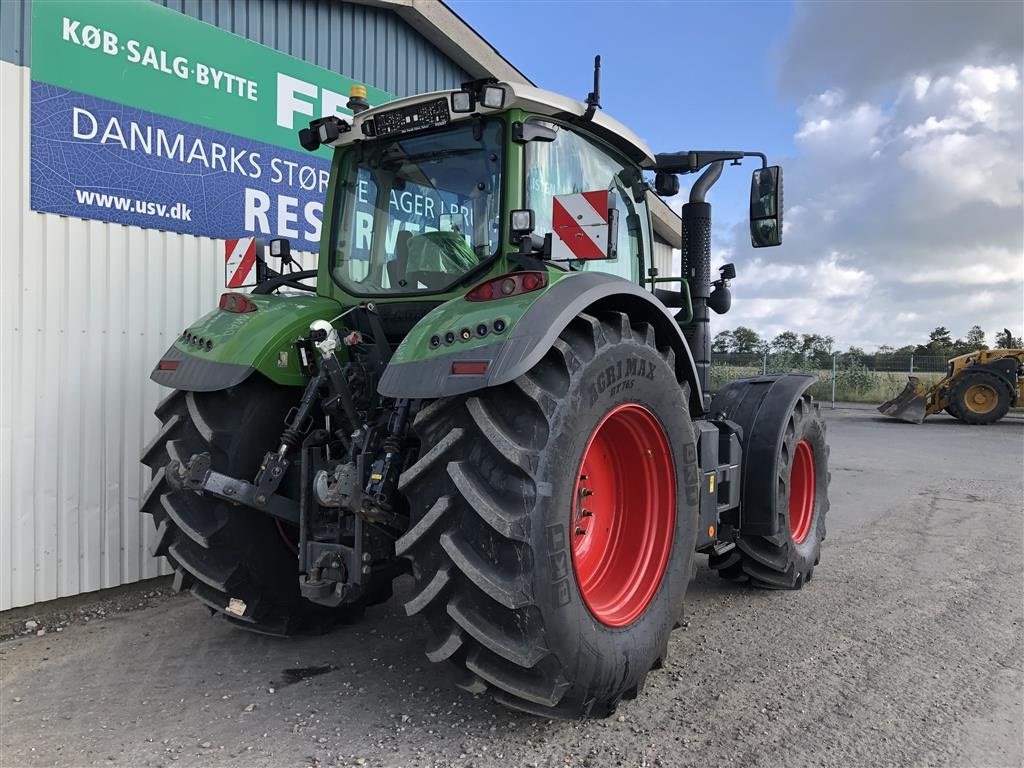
x: 237, y: 302
x: 512, y: 284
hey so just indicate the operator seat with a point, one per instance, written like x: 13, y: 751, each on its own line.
x: 436, y: 258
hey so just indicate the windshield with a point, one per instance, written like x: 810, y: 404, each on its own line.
x: 415, y: 214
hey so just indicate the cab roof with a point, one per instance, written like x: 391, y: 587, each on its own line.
x: 530, y: 99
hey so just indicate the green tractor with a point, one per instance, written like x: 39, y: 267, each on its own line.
x: 488, y: 389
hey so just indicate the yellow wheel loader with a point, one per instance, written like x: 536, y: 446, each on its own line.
x: 979, y: 388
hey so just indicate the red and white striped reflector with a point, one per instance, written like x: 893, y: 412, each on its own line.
x: 239, y: 260
x: 580, y: 225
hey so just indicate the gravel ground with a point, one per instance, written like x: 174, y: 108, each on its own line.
x: 906, y: 649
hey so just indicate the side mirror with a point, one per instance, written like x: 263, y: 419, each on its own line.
x: 766, y: 207
x: 585, y: 226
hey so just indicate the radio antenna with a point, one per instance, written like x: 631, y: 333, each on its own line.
x: 594, y: 97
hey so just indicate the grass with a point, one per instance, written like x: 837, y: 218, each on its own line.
x: 853, y: 385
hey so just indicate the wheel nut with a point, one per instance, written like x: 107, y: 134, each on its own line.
x: 580, y: 531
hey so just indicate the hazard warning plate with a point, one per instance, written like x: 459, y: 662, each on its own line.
x: 584, y: 226
x: 240, y: 257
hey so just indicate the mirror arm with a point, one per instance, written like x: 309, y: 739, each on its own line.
x: 693, y: 161
x: 706, y: 181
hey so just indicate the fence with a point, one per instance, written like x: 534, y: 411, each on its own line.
x: 850, y: 378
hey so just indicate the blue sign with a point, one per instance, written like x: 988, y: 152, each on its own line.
x: 96, y: 159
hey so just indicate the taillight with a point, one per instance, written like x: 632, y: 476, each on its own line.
x: 168, y: 365
x: 511, y: 284
x: 237, y: 302
x: 463, y: 368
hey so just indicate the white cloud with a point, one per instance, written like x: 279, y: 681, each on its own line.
x: 906, y: 196
x: 956, y: 169
x: 981, y: 299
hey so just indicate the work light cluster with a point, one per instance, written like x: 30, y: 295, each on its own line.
x: 465, y: 334
x: 197, y: 341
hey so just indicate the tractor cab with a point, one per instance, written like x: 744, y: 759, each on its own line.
x: 427, y: 188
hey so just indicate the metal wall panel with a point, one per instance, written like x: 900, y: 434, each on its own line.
x: 363, y: 42
x: 666, y: 259
x: 86, y: 308
x: 15, y: 31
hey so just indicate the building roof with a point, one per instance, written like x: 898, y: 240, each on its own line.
x: 451, y: 35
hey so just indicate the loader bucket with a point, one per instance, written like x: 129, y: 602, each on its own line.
x: 908, y: 405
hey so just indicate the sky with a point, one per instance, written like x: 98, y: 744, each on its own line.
x: 898, y: 126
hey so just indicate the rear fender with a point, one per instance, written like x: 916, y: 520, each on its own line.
x: 532, y: 324
x: 760, y: 407
x: 222, y: 349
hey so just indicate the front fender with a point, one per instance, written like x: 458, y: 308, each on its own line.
x: 533, y: 323
x: 761, y: 407
x: 243, y: 342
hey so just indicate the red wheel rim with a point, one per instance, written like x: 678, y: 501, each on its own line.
x: 801, y: 492
x: 623, y: 515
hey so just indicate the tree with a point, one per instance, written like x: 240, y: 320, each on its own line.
x: 787, y: 343
x: 1006, y: 340
x: 745, y: 340
x: 817, y: 349
x: 939, y: 343
x: 885, y: 349
x: 975, y: 339
x: 722, y: 342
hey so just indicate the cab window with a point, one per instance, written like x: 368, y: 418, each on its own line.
x: 572, y: 163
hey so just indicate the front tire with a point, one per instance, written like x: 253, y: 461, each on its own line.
x: 980, y: 397
x: 786, y: 560
x: 497, y: 503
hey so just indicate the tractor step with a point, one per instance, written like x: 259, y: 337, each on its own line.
x: 721, y: 547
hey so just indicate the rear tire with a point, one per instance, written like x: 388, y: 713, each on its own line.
x: 980, y: 397
x: 494, y: 510
x: 787, y: 559
x: 227, y: 555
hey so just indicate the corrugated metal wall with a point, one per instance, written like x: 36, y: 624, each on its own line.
x: 86, y: 307
x: 360, y: 41
x: 666, y: 259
